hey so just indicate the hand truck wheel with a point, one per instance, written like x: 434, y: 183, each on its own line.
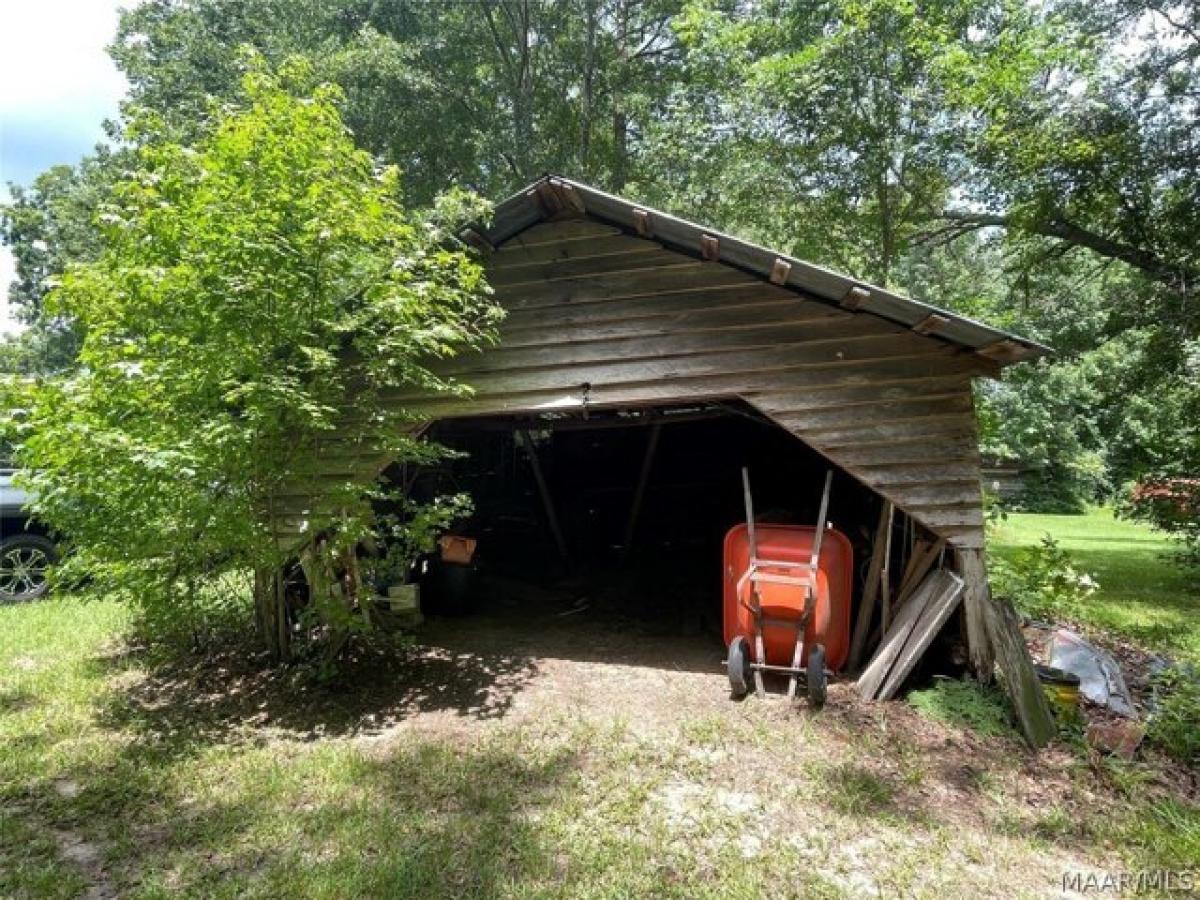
x: 817, y: 680
x: 738, y: 666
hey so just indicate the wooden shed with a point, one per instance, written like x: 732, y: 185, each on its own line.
x: 614, y: 306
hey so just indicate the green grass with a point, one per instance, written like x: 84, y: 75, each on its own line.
x: 174, y: 793
x: 967, y: 704
x: 1143, y: 596
x: 856, y: 790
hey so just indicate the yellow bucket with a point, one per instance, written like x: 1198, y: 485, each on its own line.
x: 1062, y: 690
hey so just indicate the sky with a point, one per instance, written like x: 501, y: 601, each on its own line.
x: 57, y: 86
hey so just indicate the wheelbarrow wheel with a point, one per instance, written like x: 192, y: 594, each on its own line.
x: 817, y: 681
x: 738, y: 666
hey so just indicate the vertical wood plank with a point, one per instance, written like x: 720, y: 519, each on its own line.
x: 972, y: 568
x: 640, y: 491
x: 1020, y: 679
x: 866, y: 607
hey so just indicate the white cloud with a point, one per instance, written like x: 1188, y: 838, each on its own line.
x: 41, y: 36
x: 57, y: 85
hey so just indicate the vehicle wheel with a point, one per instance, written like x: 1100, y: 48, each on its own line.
x: 24, y: 559
x: 738, y: 666
x: 817, y: 680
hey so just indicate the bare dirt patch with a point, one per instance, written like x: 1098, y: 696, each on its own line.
x: 89, y: 859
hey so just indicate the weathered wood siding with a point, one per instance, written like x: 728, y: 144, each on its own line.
x: 598, y: 316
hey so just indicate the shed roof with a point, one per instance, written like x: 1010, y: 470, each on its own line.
x: 554, y: 196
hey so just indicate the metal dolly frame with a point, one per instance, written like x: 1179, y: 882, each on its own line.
x: 740, y: 663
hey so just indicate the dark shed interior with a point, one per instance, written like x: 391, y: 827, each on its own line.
x: 635, y: 509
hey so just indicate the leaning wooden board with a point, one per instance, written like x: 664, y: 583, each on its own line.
x: 934, y: 616
x: 914, y: 628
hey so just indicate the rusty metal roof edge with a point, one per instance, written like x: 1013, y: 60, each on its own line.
x: 523, y: 210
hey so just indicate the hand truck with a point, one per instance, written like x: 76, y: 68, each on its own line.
x: 742, y: 663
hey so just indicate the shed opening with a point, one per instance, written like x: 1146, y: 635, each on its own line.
x: 620, y: 515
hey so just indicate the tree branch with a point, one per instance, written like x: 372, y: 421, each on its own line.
x: 1176, y: 276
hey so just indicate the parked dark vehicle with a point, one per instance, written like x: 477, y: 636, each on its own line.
x: 26, y: 551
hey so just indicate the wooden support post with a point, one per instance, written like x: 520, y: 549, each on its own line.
x: 526, y: 443
x: 970, y: 565
x: 885, y: 574
x: 994, y: 638
x: 866, y: 608
x: 640, y: 491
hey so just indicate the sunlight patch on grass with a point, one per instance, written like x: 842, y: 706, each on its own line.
x: 1144, y: 596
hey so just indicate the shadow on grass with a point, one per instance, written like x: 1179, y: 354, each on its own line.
x: 1151, y: 541
x: 235, y: 696
x: 471, y: 667
x: 14, y: 700
x: 425, y: 818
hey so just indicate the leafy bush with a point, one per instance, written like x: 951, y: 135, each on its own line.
x: 410, y: 532
x: 202, y: 612
x: 256, y: 297
x: 1175, y: 724
x: 1172, y: 505
x: 965, y: 704
x: 1041, y: 580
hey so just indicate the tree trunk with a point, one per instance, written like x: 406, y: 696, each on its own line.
x: 589, y: 89
x: 270, y: 613
x: 620, y: 166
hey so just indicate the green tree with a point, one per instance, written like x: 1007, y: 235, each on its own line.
x: 1034, y: 165
x: 487, y: 95
x: 252, y: 296
x: 47, y: 225
x: 817, y: 125
x: 1083, y: 133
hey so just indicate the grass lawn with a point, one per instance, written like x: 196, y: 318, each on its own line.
x: 1143, y: 596
x: 564, y: 766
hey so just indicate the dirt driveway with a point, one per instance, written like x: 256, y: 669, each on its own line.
x: 554, y: 748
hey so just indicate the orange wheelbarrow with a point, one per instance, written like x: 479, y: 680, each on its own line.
x: 786, y: 601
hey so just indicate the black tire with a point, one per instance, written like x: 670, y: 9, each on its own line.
x: 738, y: 666
x: 23, y: 562
x: 818, y: 681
